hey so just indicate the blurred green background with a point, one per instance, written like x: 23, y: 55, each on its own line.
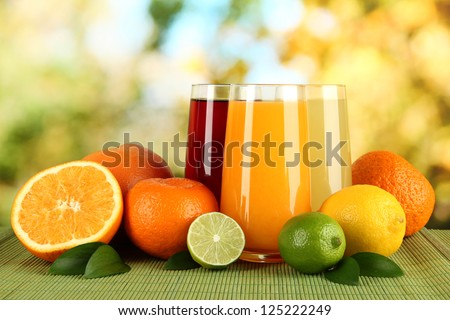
x: 75, y: 74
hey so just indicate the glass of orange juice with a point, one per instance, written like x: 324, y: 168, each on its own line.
x: 328, y: 155
x: 264, y: 180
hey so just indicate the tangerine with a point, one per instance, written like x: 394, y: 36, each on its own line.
x: 159, y: 212
x: 130, y: 163
x: 396, y: 175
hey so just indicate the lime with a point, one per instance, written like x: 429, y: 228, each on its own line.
x: 215, y: 240
x: 311, y: 242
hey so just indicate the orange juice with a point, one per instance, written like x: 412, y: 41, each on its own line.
x: 264, y: 180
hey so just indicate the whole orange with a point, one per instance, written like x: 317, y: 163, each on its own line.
x: 131, y: 163
x: 159, y: 212
x: 396, y: 175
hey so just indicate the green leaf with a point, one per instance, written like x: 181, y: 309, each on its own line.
x: 181, y: 261
x: 345, y: 272
x: 105, y: 262
x: 377, y: 265
x: 74, y: 261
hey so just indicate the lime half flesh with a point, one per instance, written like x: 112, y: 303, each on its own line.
x: 215, y: 240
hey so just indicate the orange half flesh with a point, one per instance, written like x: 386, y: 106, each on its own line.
x: 65, y: 206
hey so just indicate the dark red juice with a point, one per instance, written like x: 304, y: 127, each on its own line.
x: 206, y: 137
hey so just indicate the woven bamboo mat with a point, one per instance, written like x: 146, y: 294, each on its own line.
x: 425, y: 258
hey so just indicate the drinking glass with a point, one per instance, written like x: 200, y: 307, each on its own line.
x: 265, y: 181
x: 206, y: 135
x: 329, y: 157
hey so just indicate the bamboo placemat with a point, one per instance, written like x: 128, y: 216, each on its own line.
x: 424, y: 257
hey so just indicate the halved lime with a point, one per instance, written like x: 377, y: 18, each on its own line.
x: 215, y: 240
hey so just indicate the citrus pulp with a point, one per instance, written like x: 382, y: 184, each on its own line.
x: 215, y: 240
x: 65, y: 206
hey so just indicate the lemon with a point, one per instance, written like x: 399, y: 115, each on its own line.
x: 311, y: 242
x: 215, y: 240
x: 372, y: 218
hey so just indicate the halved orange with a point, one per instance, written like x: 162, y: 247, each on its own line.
x: 65, y: 206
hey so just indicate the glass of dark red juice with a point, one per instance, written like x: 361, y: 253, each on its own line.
x: 206, y: 135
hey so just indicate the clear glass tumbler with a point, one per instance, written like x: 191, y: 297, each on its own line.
x: 265, y: 182
x: 329, y: 156
x: 206, y: 135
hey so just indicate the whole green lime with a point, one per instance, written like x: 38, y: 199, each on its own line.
x: 311, y: 242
